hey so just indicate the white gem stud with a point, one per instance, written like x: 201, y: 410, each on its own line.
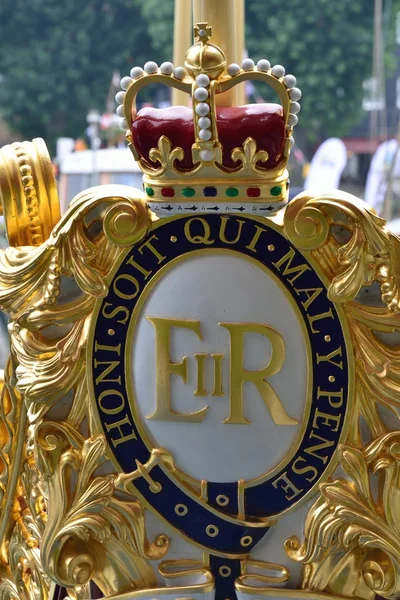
x: 205, y: 135
x: 263, y: 65
x: 290, y: 81
x: 233, y: 69
x: 126, y: 82
x: 136, y: 72
x: 293, y: 120
x: 179, y: 73
x: 295, y: 108
x: 206, y: 155
x: 167, y: 68
x: 247, y: 64
x: 295, y: 94
x: 120, y: 97
x: 278, y: 71
x: 151, y: 67
x: 204, y: 122
x: 201, y: 94
x: 202, y: 109
x: 202, y: 80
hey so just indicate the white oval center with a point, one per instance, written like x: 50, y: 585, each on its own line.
x: 213, y: 289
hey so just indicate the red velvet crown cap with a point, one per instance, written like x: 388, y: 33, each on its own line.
x: 262, y: 122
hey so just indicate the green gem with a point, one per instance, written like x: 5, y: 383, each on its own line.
x: 150, y: 191
x: 188, y: 192
x: 276, y: 190
x: 232, y: 192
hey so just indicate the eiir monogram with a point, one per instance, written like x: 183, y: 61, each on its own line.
x: 238, y: 375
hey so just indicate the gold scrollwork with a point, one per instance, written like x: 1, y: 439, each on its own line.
x: 351, y: 532
x: 352, y: 535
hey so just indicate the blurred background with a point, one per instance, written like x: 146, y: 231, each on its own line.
x: 61, y: 64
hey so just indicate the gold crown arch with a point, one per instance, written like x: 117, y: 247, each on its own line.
x: 67, y: 518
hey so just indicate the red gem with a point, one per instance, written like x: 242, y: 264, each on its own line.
x: 253, y: 192
x: 168, y: 192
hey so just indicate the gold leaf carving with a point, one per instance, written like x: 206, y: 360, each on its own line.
x: 85, y: 515
x: 349, y: 533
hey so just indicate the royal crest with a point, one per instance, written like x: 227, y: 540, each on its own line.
x: 201, y: 401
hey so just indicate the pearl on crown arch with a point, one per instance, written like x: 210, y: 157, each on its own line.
x: 202, y: 109
x: 290, y: 81
x: 151, y: 67
x: 136, y: 72
x: 201, y: 94
x: 247, y: 64
x: 278, y: 71
x: 126, y: 82
x: 233, y: 69
x: 202, y: 80
x: 179, y: 73
x: 205, y: 135
x: 204, y: 122
x: 263, y: 65
x: 167, y: 68
x: 295, y: 94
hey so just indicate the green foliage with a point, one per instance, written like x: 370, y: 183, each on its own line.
x: 57, y: 60
x: 327, y: 44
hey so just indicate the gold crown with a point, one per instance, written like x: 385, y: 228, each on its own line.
x: 228, y: 157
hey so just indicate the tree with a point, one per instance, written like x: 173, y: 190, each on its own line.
x: 57, y: 60
x: 327, y: 44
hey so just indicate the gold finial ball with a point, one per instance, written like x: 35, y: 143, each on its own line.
x: 205, y: 58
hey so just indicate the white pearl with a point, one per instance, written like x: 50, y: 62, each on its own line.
x: 179, y: 73
x: 247, y: 64
x: 278, y: 71
x: 205, y: 135
x: 295, y: 94
x: 291, y: 142
x: 136, y: 72
x: 120, y: 97
x: 263, y: 65
x: 201, y: 94
x: 167, y: 68
x: 202, y: 109
x: 233, y: 69
x: 295, y: 108
x: 206, y: 155
x: 202, y: 80
x: 204, y: 122
x: 290, y: 81
x: 124, y: 124
x: 151, y: 67
x: 126, y: 82
x: 293, y: 120
x: 120, y: 111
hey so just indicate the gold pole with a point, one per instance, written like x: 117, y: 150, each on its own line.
x: 227, y: 20
x: 182, y: 42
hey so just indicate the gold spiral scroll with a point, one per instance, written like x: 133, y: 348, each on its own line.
x: 28, y: 193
